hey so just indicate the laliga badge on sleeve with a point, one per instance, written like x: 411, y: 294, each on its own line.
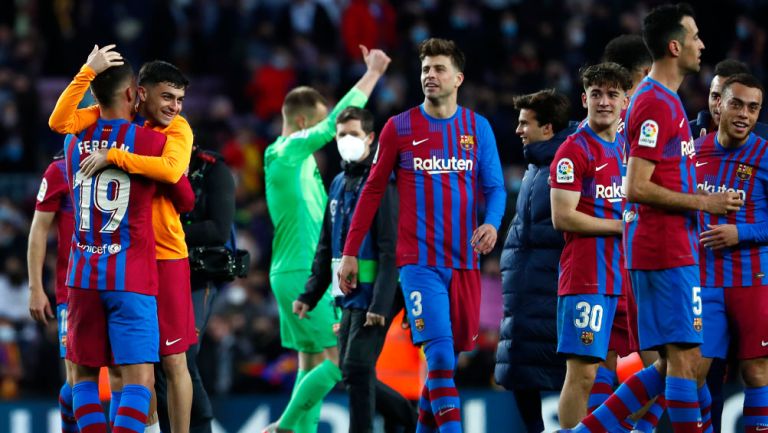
x: 565, y: 171
x: 649, y: 134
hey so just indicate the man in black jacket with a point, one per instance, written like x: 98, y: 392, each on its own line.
x: 208, y: 225
x: 367, y: 312
x: 526, y: 358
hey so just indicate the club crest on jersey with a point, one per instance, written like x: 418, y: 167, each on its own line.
x: 587, y: 337
x: 649, y: 134
x: 467, y: 141
x: 419, y: 324
x: 565, y: 171
x: 697, y: 324
x: 629, y: 216
x: 744, y: 171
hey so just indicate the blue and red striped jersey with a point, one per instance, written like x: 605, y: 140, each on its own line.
x: 587, y: 164
x: 444, y: 169
x: 744, y: 170
x: 657, y: 130
x: 113, y: 246
x: 53, y: 196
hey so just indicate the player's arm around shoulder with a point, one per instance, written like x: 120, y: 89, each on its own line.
x: 167, y: 167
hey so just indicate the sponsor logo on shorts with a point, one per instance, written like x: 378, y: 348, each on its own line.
x: 761, y: 427
x: 764, y: 343
x: 697, y: 324
x: 587, y: 337
x: 171, y: 343
x: 100, y: 249
x: 419, y: 324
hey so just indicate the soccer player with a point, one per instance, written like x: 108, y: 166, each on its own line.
x: 160, y: 99
x: 112, y: 314
x: 444, y: 157
x: 733, y: 247
x: 53, y: 207
x: 296, y: 200
x: 660, y: 228
x: 587, y: 205
x: 367, y: 312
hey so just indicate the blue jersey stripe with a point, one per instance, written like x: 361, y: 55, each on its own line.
x: 125, y: 235
x: 470, y: 204
x: 421, y: 227
x: 438, y: 222
x: 600, y: 244
x: 455, y: 198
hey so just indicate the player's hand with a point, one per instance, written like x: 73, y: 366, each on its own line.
x: 39, y: 306
x: 103, y: 58
x: 375, y: 60
x: 703, y: 132
x: 722, y: 202
x: 373, y: 319
x: 347, y: 274
x: 405, y: 324
x: 300, y: 309
x: 720, y: 236
x: 483, y: 239
x: 94, y: 162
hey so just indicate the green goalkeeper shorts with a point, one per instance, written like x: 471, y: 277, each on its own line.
x: 312, y: 334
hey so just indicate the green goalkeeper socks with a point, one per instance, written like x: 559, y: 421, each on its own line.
x: 303, y: 410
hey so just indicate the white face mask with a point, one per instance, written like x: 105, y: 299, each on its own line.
x: 351, y: 148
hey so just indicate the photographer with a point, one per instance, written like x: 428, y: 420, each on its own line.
x: 213, y: 260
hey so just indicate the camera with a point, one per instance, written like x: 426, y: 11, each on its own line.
x: 219, y: 263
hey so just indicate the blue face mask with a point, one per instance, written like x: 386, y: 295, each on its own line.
x: 419, y: 34
x: 509, y: 29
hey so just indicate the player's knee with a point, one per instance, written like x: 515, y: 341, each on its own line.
x: 755, y: 372
x: 440, y: 354
x: 175, y: 366
x: 581, y: 374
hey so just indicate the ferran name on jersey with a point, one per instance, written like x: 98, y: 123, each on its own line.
x: 565, y: 171
x: 587, y: 337
x: 467, y: 141
x: 649, y: 133
x: 744, y: 172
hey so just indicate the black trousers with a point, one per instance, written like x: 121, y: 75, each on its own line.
x: 203, y: 294
x: 359, y: 349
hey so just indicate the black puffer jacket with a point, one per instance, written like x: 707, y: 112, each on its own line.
x: 526, y: 357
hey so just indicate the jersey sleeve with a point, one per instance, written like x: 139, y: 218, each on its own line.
x: 53, y: 189
x: 66, y: 118
x: 170, y: 165
x: 303, y: 143
x: 569, y: 166
x: 652, y: 128
x: 491, y: 177
x: 375, y: 186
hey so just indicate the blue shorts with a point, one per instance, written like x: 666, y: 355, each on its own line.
x: 669, y: 306
x: 110, y: 327
x: 427, y: 301
x: 717, y: 337
x: 584, y: 324
x: 61, y: 318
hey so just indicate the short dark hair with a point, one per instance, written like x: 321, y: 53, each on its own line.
x: 608, y: 73
x: 355, y: 113
x: 747, y: 80
x: 629, y: 51
x: 301, y: 99
x: 728, y: 67
x: 158, y: 71
x: 549, y: 105
x: 442, y: 47
x: 662, y: 25
x: 106, y: 84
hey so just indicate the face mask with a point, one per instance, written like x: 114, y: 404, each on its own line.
x: 351, y: 148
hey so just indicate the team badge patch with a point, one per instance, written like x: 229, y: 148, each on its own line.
x: 744, y: 171
x: 43, y: 189
x: 467, y: 141
x: 565, y: 171
x: 629, y: 216
x: 649, y: 134
x: 419, y: 324
x: 587, y: 337
x: 697, y: 324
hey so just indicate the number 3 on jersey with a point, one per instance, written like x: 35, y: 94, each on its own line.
x: 416, y: 299
x: 111, y: 197
x: 589, y: 315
